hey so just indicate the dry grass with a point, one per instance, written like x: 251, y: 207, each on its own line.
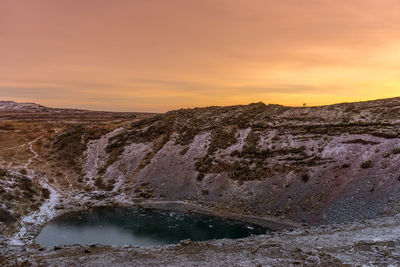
x: 59, y: 140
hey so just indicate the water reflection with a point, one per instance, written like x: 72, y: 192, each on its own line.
x: 139, y: 227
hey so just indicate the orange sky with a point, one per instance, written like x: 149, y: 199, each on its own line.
x: 158, y: 55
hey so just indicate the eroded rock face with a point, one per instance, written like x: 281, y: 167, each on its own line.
x: 315, y: 165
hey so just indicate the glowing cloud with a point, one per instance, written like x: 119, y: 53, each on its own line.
x: 158, y: 55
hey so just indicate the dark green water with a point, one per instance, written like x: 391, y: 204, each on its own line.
x: 139, y: 227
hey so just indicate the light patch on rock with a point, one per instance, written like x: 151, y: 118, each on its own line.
x: 96, y: 155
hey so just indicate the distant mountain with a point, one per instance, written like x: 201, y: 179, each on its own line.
x: 11, y: 105
x: 10, y: 110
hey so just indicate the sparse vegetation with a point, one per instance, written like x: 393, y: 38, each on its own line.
x: 305, y: 177
x: 367, y: 164
x: 6, y: 216
x: 204, y: 192
x: 184, y: 151
x: 7, y: 127
x: 222, y: 139
x: 100, y: 183
x: 45, y: 193
x: 361, y: 141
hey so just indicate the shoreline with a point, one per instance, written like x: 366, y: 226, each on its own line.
x: 354, y: 244
x: 269, y: 222
x: 28, y: 232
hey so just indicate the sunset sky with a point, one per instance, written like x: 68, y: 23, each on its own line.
x: 158, y: 55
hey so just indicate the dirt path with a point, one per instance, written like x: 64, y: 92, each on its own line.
x: 46, y: 212
x: 35, y: 155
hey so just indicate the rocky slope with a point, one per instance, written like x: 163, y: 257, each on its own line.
x: 19, y: 195
x: 309, y: 165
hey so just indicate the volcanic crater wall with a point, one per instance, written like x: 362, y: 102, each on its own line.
x: 314, y: 165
